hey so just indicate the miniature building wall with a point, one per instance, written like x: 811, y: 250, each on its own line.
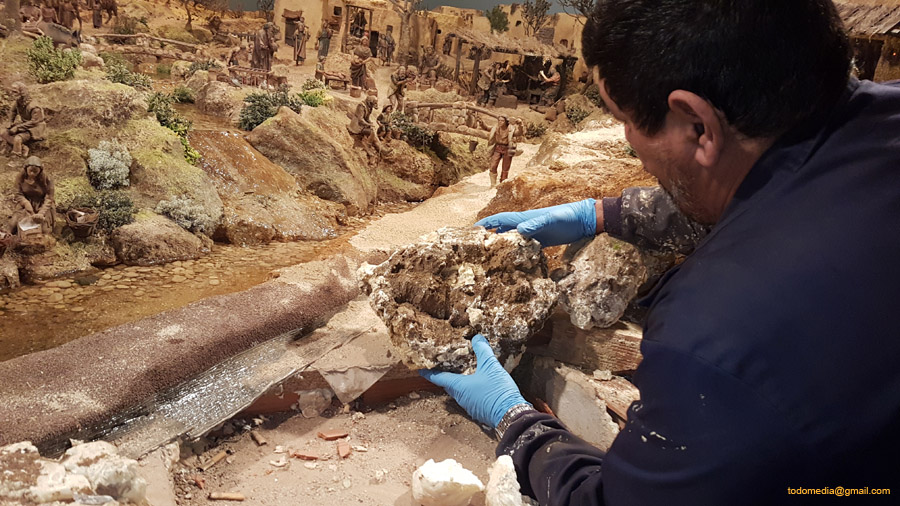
x: 889, y: 66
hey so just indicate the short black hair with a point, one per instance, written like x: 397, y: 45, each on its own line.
x: 768, y: 65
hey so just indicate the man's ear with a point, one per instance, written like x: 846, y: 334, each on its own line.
x: 701, y: 123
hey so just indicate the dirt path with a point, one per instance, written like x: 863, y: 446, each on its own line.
x: 396, y: 439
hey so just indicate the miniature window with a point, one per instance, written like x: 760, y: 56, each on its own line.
x: 518, y: 23
x: 337, y: 11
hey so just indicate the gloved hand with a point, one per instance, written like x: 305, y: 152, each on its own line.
x: 550, y: 226
x: 488, y: 393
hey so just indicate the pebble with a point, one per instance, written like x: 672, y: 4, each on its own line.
x: 56, y: 297
x: 346, y: 483
x: 139, y: 293
x: 214, y: 282
x: 76, y: 309
x: 310, y: 465
x: 178, y: 279
x: 123, y: 287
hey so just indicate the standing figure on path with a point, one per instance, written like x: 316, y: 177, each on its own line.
x: 69, y: 13
x: 550, y: 83
x: 323, y: 40
x: 96, y: 13
x: 386, y: 46
x: 33, y: 197
x: 300, y: 38
x: 399, y: 80
x: 25, y: 122
x: 361, y: 55
x: 264, y: 47
x: 48, y: 13
x: 502, y: 147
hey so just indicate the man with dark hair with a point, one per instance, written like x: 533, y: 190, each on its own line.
x: 770, y: 354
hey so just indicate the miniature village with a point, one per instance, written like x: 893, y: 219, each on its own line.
x: 219, y: 226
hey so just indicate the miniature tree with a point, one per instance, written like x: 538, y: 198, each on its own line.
x: 498, y: 19
x: 267, y: 7
x: 405, y: 8
x: 535, y: 14
x: 580, y: 7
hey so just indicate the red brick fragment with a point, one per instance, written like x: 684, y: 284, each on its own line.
x: 304, y: 456
x: 331, y: 435
x: 343, y: 449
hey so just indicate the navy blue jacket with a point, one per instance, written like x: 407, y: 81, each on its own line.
x: 772, y: 354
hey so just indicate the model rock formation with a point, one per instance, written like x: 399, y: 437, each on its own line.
x: 438, y: 293
x: 603, y: 278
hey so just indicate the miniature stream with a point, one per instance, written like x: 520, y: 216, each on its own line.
x: 52, y: 313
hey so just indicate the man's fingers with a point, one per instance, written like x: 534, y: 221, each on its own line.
x: 535, y: 226
x: 489, y: 222
x: 441, y: 379
x: 482, y: 349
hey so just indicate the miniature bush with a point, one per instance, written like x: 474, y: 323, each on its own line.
x: 118, y: 73
x: 314, y: 98
x: 576, y: 114
x: 114, y: 206
x: 49, y: 64
x: 202, y: 65
x: 313, y: 84
x: 164, y: 69
x: 109, y: 165
x: 187, y: 214
x: 261, y: 106
x: 183, y: 95
x: 113, y: 58
x: 161, y: 105
x: 127, y: 25
x: 415, y: 135
x: 593, y: 94
x: 534, y: 130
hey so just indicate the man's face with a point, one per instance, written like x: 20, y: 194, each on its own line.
x: 32, y: 171
x: 667, y: 155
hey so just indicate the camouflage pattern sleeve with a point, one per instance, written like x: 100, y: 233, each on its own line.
x: 648, y: 217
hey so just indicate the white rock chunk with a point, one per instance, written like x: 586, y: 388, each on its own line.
x: 445, y: 483
x: 503, y: 486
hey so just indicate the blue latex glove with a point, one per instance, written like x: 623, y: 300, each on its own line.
x: 488, y: 393
x: 550, y: 226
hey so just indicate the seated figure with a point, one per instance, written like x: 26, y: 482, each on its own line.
x: 33, y: 197
x: 25, y: 123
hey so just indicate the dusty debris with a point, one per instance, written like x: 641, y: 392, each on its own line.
x: 310, y: 465
x: 226, y: 496
x: 445, y: 483
x: 257, y: 438
x: 279, y: 449
x: 438, y: 293
x: 281, y: 462
x: 304, y: 456
x: 213, y: 461
x: 199, y: 481
x: 331, y: 435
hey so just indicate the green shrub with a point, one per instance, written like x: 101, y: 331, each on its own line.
x: 164, y: 69
x: 313, y: 84
x: 187, y: 214
x: 115, y: 207
x: 49, y: 64
x: 118, y: 73
x: 127, y: 25
x: 534, y: 130
x: 576, y: 114
x: 202, y: 65
x: 593, y: 94
x: 183, y: 95
x: 261, y: 106
x: 109, y: 165
x: 415, y: 135
x: 161, y: 105
x: 313, y: 98
x: 113, y: 58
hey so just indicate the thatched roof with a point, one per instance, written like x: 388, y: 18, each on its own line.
x: 869, y: 19
x: 505, y: 44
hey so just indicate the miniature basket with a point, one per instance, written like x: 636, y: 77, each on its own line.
x: 82, y: 221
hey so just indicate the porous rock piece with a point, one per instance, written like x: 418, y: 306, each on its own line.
x: 438, y: 293
x: 603, y: 277
x: 444, y: 483
x: 503, y: 486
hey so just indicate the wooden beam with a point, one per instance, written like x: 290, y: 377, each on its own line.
x: 616, y: 349
x: 618, y: 394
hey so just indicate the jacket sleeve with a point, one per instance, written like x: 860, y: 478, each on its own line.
x: 701, y: 439
x: 649, y: 218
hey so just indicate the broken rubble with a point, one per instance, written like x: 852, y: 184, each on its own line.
x: 603, y: 278
x: 503, y: 486
x: 438, y: 293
